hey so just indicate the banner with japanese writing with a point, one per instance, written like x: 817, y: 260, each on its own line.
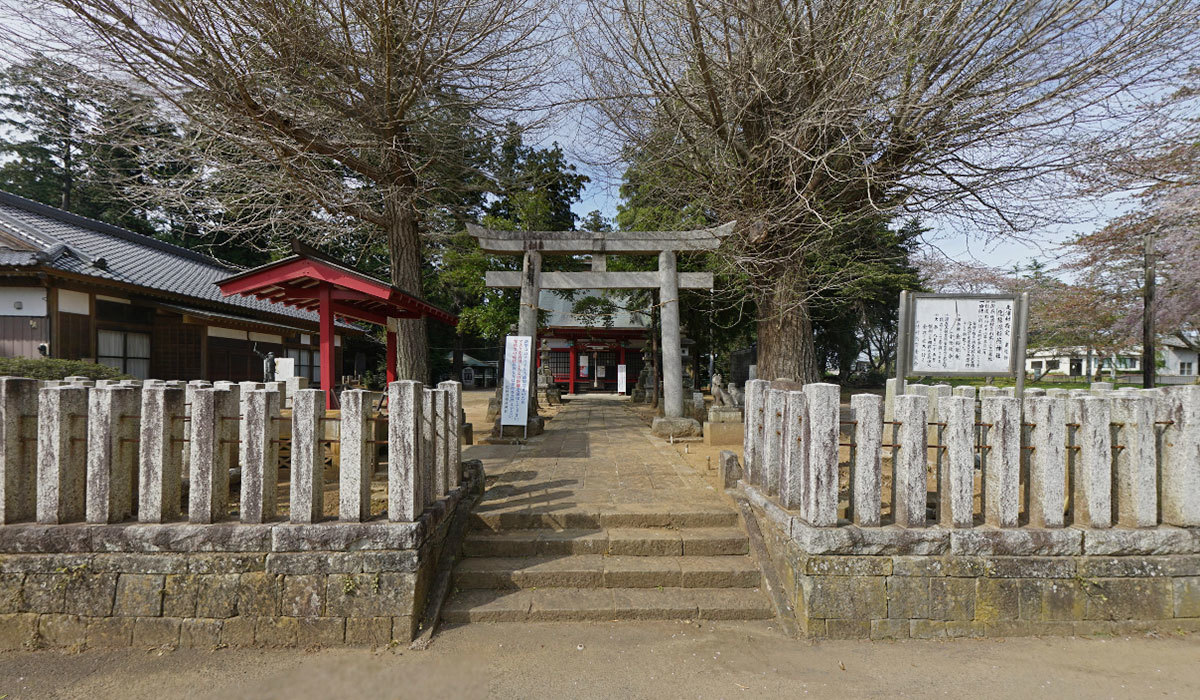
x: 514, y: 404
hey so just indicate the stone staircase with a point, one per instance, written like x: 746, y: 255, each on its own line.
x: 632, y: 562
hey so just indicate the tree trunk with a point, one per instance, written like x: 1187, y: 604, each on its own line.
x: 404, y: 247
x: 786, y: 348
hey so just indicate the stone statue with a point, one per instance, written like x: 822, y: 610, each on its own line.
x: 736, y: 395
x: 720, y: 397
x: 268, y: 360
x: 545, y: 375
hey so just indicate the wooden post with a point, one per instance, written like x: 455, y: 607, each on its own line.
x: 571, y: 371
x: 325, y: 298
x: 391, y: 353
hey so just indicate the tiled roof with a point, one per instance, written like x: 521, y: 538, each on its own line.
x: 83, y: 246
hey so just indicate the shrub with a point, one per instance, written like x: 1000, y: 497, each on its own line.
x: 51, y: 368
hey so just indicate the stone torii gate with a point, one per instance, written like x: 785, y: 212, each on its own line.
x: 668, y: 280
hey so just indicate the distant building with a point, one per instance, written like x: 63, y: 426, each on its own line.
x: 476, y: 373
x: 1177, y: 359
x: 585, y: 358
x: 79, y: 289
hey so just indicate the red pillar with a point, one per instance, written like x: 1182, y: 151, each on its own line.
x: 327, y: 352
x: 391, y: 356
x: 573, y: 370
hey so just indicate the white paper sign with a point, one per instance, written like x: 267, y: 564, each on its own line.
x: 970, y: 335
x: 601, y: 371
x: 285, y: 368
x: 583, y: 366
x: 621, y: 379
x: 514, y: 404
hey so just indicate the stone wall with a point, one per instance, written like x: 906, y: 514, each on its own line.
x: 100, y: 544
x: 225, y: 584
x: 890, y: 582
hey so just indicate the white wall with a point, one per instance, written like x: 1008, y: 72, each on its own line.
x: 23, y: 301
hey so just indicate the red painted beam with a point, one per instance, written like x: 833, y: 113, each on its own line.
x: 391, y: 357
x: 327, y: 351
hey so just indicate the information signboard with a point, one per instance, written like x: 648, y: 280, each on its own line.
x: 962, y: 335
x: 514, y: 403
x: 583, y: 366
x: 621, y: 381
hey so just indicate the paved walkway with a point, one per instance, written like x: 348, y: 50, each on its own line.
x: 594, y: 454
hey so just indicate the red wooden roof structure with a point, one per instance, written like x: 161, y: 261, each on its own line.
x: 313, y: 281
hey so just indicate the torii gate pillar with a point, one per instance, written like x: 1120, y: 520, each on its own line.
x: 668, y: 290
x: 527, y: 318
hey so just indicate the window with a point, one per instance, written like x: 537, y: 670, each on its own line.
x: 1186, y: 368
x: 124, y: 351
x: 560, y: 362
x: 1052, y: 364
x: 307, y: 363
x: 1036, y: 365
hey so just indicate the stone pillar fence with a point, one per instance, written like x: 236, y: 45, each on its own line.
x: 1087, y: 458
x: 106, y: 452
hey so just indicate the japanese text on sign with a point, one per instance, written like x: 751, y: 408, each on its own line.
x: 514, y: 405
x: 968, y: 335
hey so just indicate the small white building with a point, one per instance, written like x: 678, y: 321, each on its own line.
x: 1176, y: 358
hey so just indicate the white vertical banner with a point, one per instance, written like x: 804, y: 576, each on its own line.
x: 514, y: 404
x: 621, y: 379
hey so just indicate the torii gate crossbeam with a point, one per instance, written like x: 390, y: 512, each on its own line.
x: 667, y: 279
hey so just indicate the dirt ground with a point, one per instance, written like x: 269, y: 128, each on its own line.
x: 625, y: 660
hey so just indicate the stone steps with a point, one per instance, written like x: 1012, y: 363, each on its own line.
x: 654, y: 542
x: 597, y: 571
x: 602, y: 604
x: 583, y: 517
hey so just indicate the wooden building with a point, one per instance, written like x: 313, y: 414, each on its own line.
x: 79, y: 289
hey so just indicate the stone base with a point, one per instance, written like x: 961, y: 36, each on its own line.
x: 468, y: 434
x: 932, y: 582
x: 493, y: 411
x: 724, y: 433
x: 535, y: 426
x: 675, y: 427
x: 725, y: 414
x: 551, y: 396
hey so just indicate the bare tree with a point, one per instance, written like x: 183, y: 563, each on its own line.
x: 345, y: 113
x: 803, y: 119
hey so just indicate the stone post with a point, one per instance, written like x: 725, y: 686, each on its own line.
x: 406, y: 492
x: 889, y: 398
x: 454, y: 415
x: 773, y: 440
x: 755, y: 416
x: 358, y: 456
x: 1056, y: 393
x: 1047, y: 460
x: 956, y: 487
x: 965, y: 391
x: 793, y: 449
x: 672, y: 358
x: 160, y: 460
x: 820, y: 502
x: 260, y: 456
x: 62, y: 454
x: 18, y: 449
x: 908, y: 486
x: 866, y: 495
x: 214, y: 432
x: 308, y: 457
x: 1002, y: 469
x: 112, y: 452
x: 527, y: 319
x: 441, y: 443
x: 428, y: 439
x: 1100, y: 388
x: 244, y: 389
x: 1136, y: 461
x: 1181, y: 459
x: 989, y: 392
x: 1090, y: 458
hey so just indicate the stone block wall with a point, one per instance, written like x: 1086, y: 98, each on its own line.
x: 223, y: 584
x: 889, y: 583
